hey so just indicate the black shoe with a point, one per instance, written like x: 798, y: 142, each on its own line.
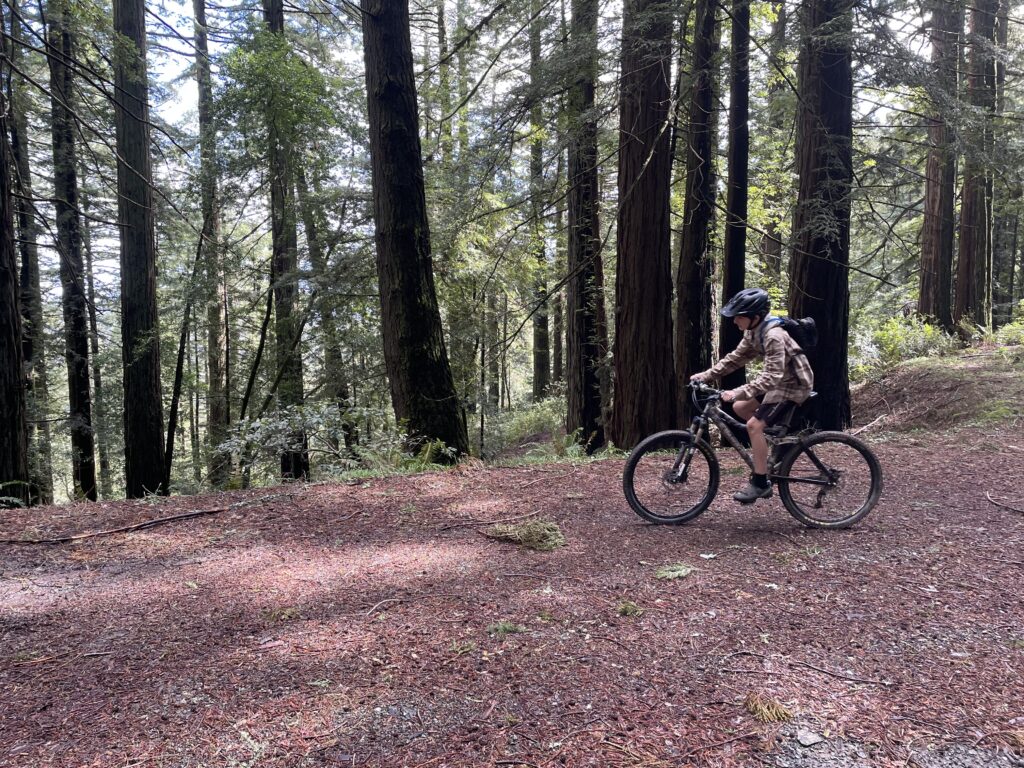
x: 752, y: 493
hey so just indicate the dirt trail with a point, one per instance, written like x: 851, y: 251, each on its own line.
x: 373, y: 625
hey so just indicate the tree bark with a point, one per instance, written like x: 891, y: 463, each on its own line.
x: 819, y: 276
x: 33, y: 338
x: 734, y: 261
x: 696, y: 262
x: 492, y: 342
x: 422, y: 389
x: 937, y: 232
x: 140, y: 336
x: 60, y: 42
x: 15, y: 482
x: 295, y: 459
x: 771, y: 240
x: 586, y: 326
x: 541, y: 348
x: 217, y: 411
x: 99, y: 412
x: 645, y: 384
x: 974, y: 270
x: 557, y: 303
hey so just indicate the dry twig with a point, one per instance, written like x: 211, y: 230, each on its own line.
x: 144, y: 525
x: 851, y: 678
x: 988, y: 495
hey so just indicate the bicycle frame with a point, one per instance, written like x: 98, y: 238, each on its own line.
x: 713, y: 414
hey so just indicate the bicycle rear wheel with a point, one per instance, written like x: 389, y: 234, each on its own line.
x: 670, y: 478
x: 830, y: 480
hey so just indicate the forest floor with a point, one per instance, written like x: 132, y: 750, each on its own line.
x: 373, y: 624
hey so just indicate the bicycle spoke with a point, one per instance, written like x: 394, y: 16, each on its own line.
x: 832, y: 481
x: 670, y: 480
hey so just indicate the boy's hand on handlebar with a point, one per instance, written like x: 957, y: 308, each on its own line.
x: 699, y: 378
x: 729, y: 395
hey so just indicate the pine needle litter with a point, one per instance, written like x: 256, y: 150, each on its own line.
x: 540, y: 535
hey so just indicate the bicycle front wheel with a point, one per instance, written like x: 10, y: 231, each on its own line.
x: 670, y: 478
x: 830, y: 480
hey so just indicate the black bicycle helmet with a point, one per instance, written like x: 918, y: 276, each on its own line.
x: 748, y: 303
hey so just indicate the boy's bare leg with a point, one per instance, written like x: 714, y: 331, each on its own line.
x: 758, y: 445
x: 759, y: 488
x: 755, y: 429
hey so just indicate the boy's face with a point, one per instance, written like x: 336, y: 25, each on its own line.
x: 743, y: 323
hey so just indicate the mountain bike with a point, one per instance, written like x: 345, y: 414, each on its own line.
x: 825, y: 479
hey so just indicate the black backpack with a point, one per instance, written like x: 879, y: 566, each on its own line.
x: 802, y: 330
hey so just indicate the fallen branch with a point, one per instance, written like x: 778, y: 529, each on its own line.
x: 988, y: 495
x: 868, y: 425
x: 144, y: 525
x: 407, y: 599
x: 851, y: 678
x: 706, y: 747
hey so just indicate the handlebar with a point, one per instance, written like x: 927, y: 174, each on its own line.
x: 703, y: 390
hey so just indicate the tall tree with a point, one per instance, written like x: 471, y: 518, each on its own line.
x: 99, y: 412
x: 140, y: 347
x: 218, y: 411
x: 541, y: 348
x: 1006, y: 197
x: 32, y: 330
x: 586, y: 325
x: 696, y: 262
x: 335, y: 376
x: 294, y: 459
x: 422, y: 389
x: 771, y: 240
x: 819, y: 266
x: 14, y: 474
x: 937, y: 233
x: 734, y: 262
x: 974, y: 268
x: 645, y: 385
x: 61, y: 53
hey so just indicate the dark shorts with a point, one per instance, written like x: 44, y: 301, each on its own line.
x: 774, y: 413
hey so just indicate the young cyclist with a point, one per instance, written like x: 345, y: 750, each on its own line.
x: 784, y: 383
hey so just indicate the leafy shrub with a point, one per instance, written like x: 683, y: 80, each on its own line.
x: 1011, y: 334
x: 895, y: 340
x: 546, y: 416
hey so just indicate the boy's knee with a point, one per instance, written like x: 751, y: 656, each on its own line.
x: 754, y: 424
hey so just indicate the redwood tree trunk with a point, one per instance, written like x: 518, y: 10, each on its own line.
x: 819, y: 277
x: 143, y: 405
x: 541, y: 348
x: 217, y: 422
x: 974, y: 270
x: 937, y: 233
x: 645, y: 385
x: 586, y: 329
x: 778, y: 112
x: 99, y: 411
x: 422, y: 389
x: 696, y: 263
x: 69, y: 245
x: 294, y: 460
x: 734, y: 263
x: 33, y: 339
x: 14, y: 474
